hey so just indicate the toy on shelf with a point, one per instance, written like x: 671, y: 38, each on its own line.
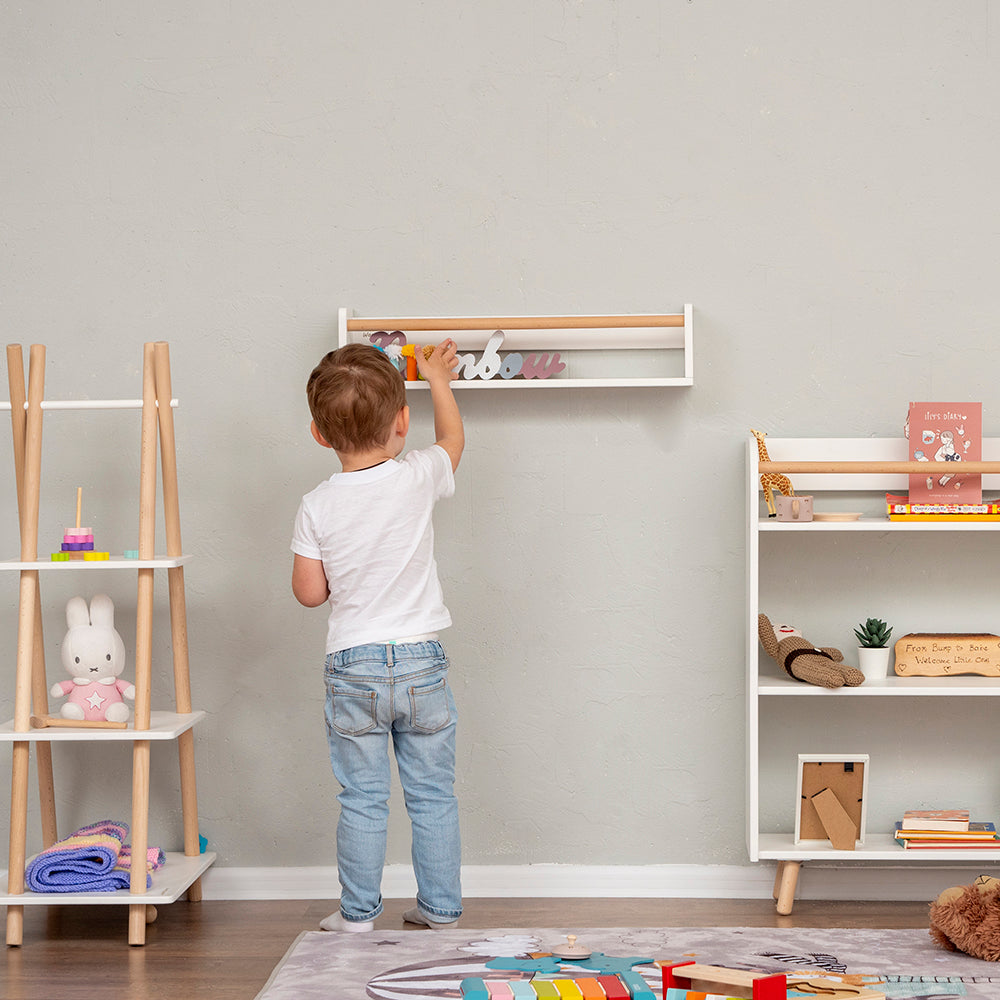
x: 78, y: 542
x: 409, y: 352
x: 800, y: 659
x: 967, y: 918
x: 771, y: 481
x: 94, y: 656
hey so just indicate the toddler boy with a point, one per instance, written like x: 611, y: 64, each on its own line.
x: 364, y: 544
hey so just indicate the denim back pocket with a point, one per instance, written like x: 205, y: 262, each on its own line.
x: 351, y: 713
x: 430, y: 710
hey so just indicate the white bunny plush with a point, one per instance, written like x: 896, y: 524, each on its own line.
x: 94, y: 656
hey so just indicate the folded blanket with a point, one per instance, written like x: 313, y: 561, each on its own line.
x: 94, y: 859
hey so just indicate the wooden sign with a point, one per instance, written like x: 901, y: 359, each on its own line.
x: 944, y: 653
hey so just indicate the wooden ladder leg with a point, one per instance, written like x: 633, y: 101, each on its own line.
x: 143, y: 650
x: 788, y: 880
x: 39, y: 685
x: 178, y: 607
x: 30, y: 483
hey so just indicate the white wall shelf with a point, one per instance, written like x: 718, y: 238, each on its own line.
x: 771, y: 551
x: 658, y: 349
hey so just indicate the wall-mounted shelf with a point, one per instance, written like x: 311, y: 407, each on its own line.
x: 599, y: 351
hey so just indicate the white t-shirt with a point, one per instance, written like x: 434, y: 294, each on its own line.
x: 372, y: 530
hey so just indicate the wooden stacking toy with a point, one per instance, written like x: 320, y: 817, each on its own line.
x: 78, y: 542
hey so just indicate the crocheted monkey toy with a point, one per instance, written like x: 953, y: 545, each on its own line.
x: 800, y: 659
x: 967, y: 918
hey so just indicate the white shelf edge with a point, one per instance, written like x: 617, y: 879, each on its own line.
x: 560, y: 383
x: 163, y: 726
x: 169, y: 884
x: 963, y: 685
x: 875, y: 523
x: 877, y: 847
x: 157, y: 562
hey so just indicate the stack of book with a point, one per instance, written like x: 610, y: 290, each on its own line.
x: 899, y: 508
x: 944, y: 829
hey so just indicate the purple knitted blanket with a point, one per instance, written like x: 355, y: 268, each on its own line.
x: 94, y: 859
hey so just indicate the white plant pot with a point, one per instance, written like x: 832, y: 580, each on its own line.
x: 874, y: 663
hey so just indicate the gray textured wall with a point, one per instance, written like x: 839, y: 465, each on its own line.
x: 817, y: 179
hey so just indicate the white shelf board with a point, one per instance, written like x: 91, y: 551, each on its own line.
x: 157, y: 562
x: 877, y: 847
x: 968, y: 685
x: 881, y: 523
x: 163, y: 726
x: 169, y: 884
x: 558, y: 383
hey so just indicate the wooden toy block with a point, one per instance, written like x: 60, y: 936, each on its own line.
x: 613, y: 988
x: 522, y: 988
x: 742, y: 985
x: 590, y: 989
x: 131, y: 553
x: 474, y: 989
x: 545, y: 988
x: 635, y: 984
x: 568, y: 989
x: 96, y: 556
x: 499, y: 989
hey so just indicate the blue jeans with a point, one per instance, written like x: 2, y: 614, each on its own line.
x: 374, y: 692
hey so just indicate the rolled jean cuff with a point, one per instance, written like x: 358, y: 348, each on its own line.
x: 353, y: 918
x: 437, y: 915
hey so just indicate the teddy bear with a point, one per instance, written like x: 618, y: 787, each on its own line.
x: 967, y: 918
x: 94, y: 656
x: 800, y: 659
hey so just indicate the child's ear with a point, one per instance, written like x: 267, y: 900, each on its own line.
x: 403, y: 422
x: 320, y: 440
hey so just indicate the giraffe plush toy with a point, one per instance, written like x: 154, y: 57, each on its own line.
x: 770, y: 481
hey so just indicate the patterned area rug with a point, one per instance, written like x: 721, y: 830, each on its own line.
x: 428, y: 965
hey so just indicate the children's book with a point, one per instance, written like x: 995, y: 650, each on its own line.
x: 945, y: 432
x: 976, y: 831
x: 935, y: 819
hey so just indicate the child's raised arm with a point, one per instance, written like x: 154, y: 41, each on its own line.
x: 438, y: 372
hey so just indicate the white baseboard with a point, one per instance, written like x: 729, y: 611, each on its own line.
x: 863, y: 882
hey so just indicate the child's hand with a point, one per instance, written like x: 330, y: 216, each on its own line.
x: 440, y: 363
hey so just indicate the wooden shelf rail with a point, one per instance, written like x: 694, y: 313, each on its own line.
x: 861, y: 468
x: 424, y: 323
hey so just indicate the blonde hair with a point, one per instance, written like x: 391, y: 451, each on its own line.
x: 355, y: 394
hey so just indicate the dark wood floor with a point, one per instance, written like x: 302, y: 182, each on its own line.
x: 226, y: 950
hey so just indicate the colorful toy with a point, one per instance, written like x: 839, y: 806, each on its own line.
x: 409, y: 352
x: 94, y: 656
x: 967, y: 918
x: 78, y: 542
x: 800, y: 659
x: 770, y: 481
x: 691, y: 981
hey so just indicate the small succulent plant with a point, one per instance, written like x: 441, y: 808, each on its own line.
x: 873, y: 634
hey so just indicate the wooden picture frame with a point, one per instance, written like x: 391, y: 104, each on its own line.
x: 832, y: 798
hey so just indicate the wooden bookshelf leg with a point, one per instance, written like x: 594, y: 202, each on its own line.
x: 776, y: 891
x: 789, y: 877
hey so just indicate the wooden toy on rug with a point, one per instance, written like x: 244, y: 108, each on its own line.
x: 78, y: 542
x: 800, y: 659
x: 770, y: 481
x: 571, y: 950
x: 967, y: 918
x: 683, y: 980
x: 94, y: 656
